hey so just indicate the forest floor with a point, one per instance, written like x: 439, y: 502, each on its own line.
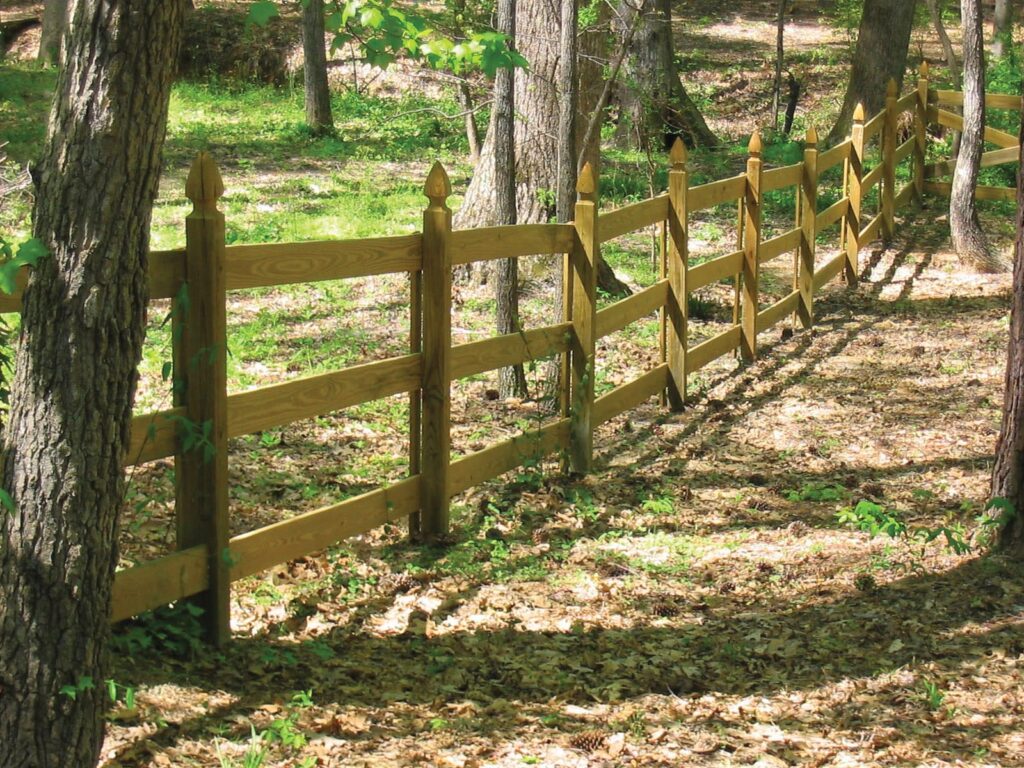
x: 694, y: 601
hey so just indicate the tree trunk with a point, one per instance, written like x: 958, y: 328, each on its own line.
x: 882, y: 44
x: 656, y: 102
x: 1002, y: 27
x: 780, y: 52
x: 948, y: 52
x: 55, y: 21
x: 1008, y: 472
x: 314, y: 68
x: 469, y: 117
x: 83, y: 322
x: 969, y: 240
x: 511, y: 380
x: 536, y: 147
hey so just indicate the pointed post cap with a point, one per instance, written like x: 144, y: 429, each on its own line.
x: 812, y: 138
x: 858, y: 113
x: 678, y: 155
x: 204, y: 185
x: 438, y: 186
x: 891, y: 89
x: 755, y: 145
x: 586, y: 184
x: 923, y: 71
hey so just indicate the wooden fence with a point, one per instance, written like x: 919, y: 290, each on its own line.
x: 204, y: 417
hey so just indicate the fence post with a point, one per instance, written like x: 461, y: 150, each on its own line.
x: 416, y: 396
x: 678, y: 256
x: 201, y: 457
x: 435, y: 441
x: 920, y: 132
x: 584, y: 310
x: 855, y: 192
x: 751, y: 250
x: 889, y: 163
x: 808, y: 229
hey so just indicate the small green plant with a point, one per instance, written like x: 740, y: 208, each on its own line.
x: 933, y: 695
x: 659, y: 505
x: 255, y: 755
x: 816, y: 492
x: 174, y: 629
x: 81, y: 685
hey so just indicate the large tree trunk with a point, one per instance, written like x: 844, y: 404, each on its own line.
x: 55, y: 21
x: 314, y: 68
x: 882, y: 44
x: 655, y: 103
x: 1002, y: 27
x: 968, y: 238
x: 1008, y: 473
x: 83, y: 322
x: 512, y: 379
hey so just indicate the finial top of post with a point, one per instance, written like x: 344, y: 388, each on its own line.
x: 891, y: 89
x: 812, y: 138
x: 678, y: 155
x: 438, y: 186
x: 755, y: 145
x: 204, y: 185
x: 924, y: 70
x: 858, y: 113
x: 586, y: 184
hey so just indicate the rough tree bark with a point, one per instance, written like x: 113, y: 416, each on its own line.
x: 969, y: 240
x: 780, y: 53
x: 948, y: 52
x: 511, y: 380
x: 83, y: 323
x: 882, y: 44
x: 656, y: 104
x: 1002, y: 27
x: 55, y: 21
x: 314, y: 68
x: 1008, y: 472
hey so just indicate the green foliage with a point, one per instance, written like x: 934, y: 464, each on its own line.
x: 174, y: 629
x: 933, y: 695
x: 817, y: 492
x: 83, y: 684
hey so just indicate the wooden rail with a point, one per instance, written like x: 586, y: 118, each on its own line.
x: 207, y: 560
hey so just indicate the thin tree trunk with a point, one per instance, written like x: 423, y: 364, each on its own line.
x: 511, y: 380
x: 1002, y: 27
x: 83, y: 322
x: 55, y: 21
x: 948, y: 53
x: 969, y: 240
x: 1008, y: 472
x: 882, y: 45
x: 780, y: 52
x: 318, y: 93
x: 472, y: 130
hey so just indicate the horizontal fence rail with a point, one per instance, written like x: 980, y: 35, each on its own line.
x: 207, y: 559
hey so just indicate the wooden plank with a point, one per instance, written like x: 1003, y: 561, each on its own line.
x: 712, y: 349
x: 831, y: 215
x: 872, y: 230
x: 511, y: 349
x: 620, y: 314
x: 509, y: 241
x: 633, y: 217
x: 784, y: 243
x: 586, y: 253
x: 751, y: 250
x: 827, y: 272
x: 992, y: 100
x: 166, y: 273
x: 834, y: 156
x: 715, y: 193
x: 855, y: 191
x: 872, y: 178
x: 505, y: 456
x: 772, y: 314
x: 921, y: 120
x: 887, y: 195
x: 677, y: 268
x: 158, y: 582
x: 905, y: 195
x: 304, y: 534
x: 874, y: 126
x: 304, y: 398
x: 992, y: 135
x: 628, y: 396
x: 905, y: 150
x: 907, y: 101
x: 988, y: 159
x: 981, y: 193
x: 714, y: 270
x: 436, y: 440
x: 255, y: 266
x: 153, y: 436
x: 779, y: 178
x: 808, y: 233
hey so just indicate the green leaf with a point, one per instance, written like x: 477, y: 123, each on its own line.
x: 261, y: 12
x: 7, y: 501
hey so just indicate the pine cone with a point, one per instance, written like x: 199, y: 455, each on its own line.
x: 587, y: 741
x: 665, y: 609
x: 612, y: 569
x: 398, y: 582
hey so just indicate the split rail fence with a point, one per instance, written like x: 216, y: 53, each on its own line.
x: 208, y: 559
